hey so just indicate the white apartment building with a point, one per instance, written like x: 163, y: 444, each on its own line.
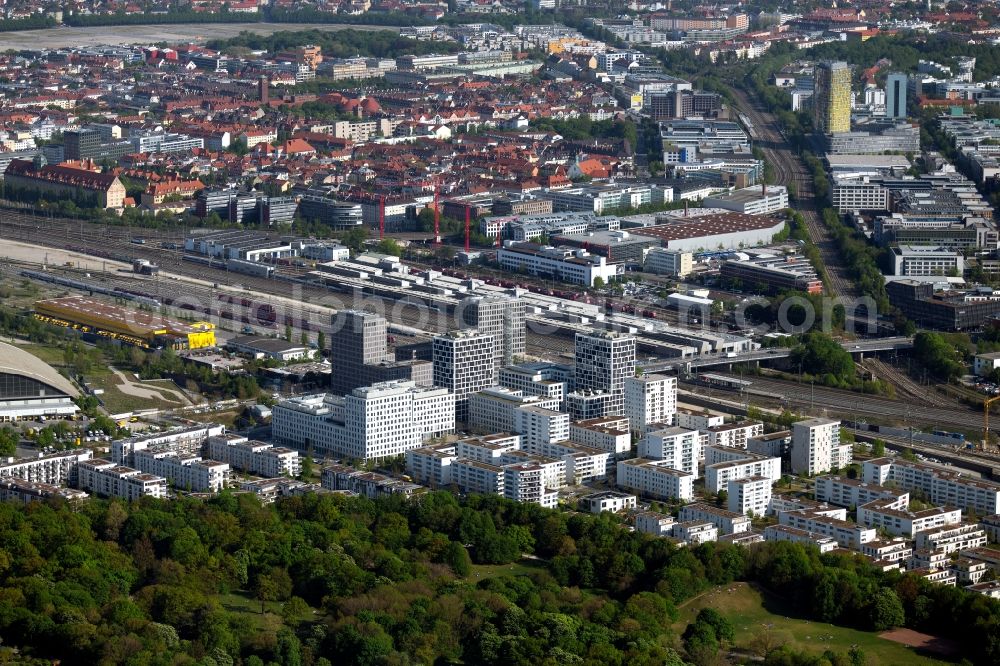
x: 847, y: 534
x: 650, y: 399
x: 951, y: 538
x: 773, y: 445
x: 473, y: 476
x: 371, y: 423
x: 883, y: 514
x: 489, y: 448
x: 888, y: 550
x: 604, y: 360
x: 796, y: 535
x: 608, y: 433
x: 723, y: 465
x: 499, y: 316
x: 550, y: 380
x: 939, y: 485
x: 492, y: 410
x: 686, y: 418
x: 695, y: 532
x: 54, y: 469
x: 179, y: 440
x: 553, y: 469
x: 254, y: 457
x: 679, y: 447
x: 463, y: 364
x: 751, y: 493
x: 608, y: 500
x: 525, y: 482
x: 657, y: 524
x: 655, y: 479
x: 842, y: 491
x: 13, y: 489
x: 583, y: 463
x: 431, y: 465
x: 815, y: 445
x: 727, y: 522
x: 183, y: 471
x: 369, y: 484
x: 734, y: 435
x: 992, y: 526
x: 104, y: 477
x: 538, y: 426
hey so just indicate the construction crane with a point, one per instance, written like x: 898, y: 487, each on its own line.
x: 986, y: 420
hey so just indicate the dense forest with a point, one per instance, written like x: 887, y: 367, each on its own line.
x: 322, y: 579
x: 340, y: 44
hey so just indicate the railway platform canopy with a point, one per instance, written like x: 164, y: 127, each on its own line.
x: 141, y: 328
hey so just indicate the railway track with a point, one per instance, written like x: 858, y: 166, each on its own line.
x: 905, y: 387
x: 116, y: 243
x: 789, y: 169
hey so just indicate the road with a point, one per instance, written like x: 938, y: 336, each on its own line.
x: 789, y: 169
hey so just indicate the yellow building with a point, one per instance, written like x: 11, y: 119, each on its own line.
x: 135, y: 327
x: 832, y: 97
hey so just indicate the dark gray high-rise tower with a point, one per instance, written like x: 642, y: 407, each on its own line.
x: 895, y: 96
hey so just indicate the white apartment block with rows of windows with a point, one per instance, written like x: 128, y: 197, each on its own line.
x: 604, y: 359
x: 751, y: 494
x: 848, y: 534
x: 583, y: 463
x: 463, y: 364
x: 104, y: 477
x: 842, y: 491
x: 951, y: 538
x: 431, y: 465
x: 550, y: 380
x: 474, y: 476
x: 488, y: 448
x: 679, y: 447
x: 724, y: 464
x: 183, y: 471
x: 728, y: 522
x: 608, y: 433
x: 650, y: 399
x: 816, y: 447
x: 255, y: 457
x: 54, y: 469
x: 492, y: 409
x: 655, y: 479
x: 538, y: 426
x: 883, y: 514
x: 734, y: 435
x: 371, y: 423
x: 526, y: 482
x: 942, y: 487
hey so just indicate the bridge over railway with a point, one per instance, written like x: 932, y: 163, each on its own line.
x: 687, y: 364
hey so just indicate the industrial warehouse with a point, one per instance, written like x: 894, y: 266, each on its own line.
x: 135, y: 327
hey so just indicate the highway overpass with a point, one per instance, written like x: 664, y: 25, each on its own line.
x: 689, y: 363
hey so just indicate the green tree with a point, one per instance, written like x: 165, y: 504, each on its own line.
x: 8, y: 441
x: 886, y: 611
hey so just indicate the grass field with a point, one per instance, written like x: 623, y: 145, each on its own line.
x: 522, y: 568
x: 753, y: 613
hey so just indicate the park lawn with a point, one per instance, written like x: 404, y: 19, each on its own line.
x: 51, y: 354
x: 522, y: 568
x: 117, y: 402
x: 744, y: 606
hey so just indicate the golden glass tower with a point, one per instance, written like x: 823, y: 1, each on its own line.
x: 832, y: 97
